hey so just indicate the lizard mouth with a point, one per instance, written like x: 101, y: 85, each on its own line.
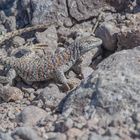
x: 91, y: 43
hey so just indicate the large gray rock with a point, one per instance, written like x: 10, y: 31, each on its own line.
x: 113, y: 88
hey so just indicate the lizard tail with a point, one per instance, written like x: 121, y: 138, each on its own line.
x: 10, y: 35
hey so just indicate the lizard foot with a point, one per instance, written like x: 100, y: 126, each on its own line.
x: 67, y: 87
x: 71, y: 84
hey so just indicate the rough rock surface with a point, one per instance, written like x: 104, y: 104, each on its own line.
x: 112, y: 86
x: 128, y: 38
x: 104, y: 103
x: 31, y: 115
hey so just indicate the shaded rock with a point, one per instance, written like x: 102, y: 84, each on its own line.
x: 10, y: 23
x: 30, y: 115
x: 108, y: 33
x: 120, y: 5
x: 128, y: 38
x: 5, y: 3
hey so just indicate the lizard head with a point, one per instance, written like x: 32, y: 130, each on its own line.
x: 87, y: 43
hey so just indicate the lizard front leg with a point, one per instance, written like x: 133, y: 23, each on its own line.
x: 8, y: 79
x: 60, y: 77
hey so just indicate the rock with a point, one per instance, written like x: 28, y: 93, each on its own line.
x: 112, y: 86
x: 83, y: 29
x: 69, y: 123
x: 74, y: 132
x: 128, y: 38
x: 60, y: 126
x: 18, y: 41
x: 48, y: 37
x: 80, y: 122
x: 8, y: 93
x: 95, y: 136
x: 6, y: 136
x: 108, y: 17
x: 26, y: 133
x: 4, y: 3
x: 86, y: 72
x: 30, y: 115
x: 2, y: 17
x: 108, y: 33
x: 120, y: 5
x: 63, y: 33
x: 138, y: 2
x: 48, y: 122
x: 136, y: 116
x: 56, y: 136
x: 2, y: 30
x: 60, y: 136
x: 81, y: 10
x: 10, y: 23
x: 51, y: 96
x: 44, y: 11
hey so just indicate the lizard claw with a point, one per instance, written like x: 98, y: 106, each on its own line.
x: 68, y: 87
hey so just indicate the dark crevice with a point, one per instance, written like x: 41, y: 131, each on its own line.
x: 69, y: 15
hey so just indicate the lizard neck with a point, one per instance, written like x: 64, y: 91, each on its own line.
x: 74, y: 51
x: 68, y: 55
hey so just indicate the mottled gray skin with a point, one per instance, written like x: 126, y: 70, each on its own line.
x: 35, y: 68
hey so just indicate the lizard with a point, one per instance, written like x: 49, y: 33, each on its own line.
x: 32, y: 68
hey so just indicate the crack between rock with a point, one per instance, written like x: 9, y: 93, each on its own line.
x: 74, y: 20
x: 69, y: 15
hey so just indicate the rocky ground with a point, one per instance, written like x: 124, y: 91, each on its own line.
x: 105, y: 104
